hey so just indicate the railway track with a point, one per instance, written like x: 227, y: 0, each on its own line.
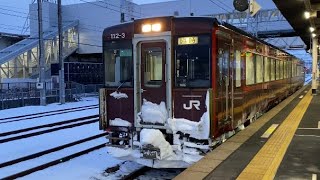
x: 63, y: 159
x: 44, y: 114
x: 69, y: 124
x: 50, y: 163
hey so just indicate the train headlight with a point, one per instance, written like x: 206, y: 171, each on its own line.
x: 156, y: 27
x: 151, y: 27
x: 146, y: 27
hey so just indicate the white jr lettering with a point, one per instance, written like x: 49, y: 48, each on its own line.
x: 195, y: 103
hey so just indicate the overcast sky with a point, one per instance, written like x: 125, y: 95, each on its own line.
x: 13, y: 13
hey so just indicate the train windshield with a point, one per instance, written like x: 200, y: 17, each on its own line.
x: 192, y: 61
x: 118, y: 63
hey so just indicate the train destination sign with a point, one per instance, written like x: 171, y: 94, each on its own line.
x: 188, y: 40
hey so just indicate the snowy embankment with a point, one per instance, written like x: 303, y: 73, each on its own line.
x: 50, y: 107
x: 84, y: 167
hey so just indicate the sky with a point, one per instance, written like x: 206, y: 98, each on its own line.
x: 13, y: 13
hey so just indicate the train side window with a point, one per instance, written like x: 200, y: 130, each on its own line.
x: 266, y: 69
x: 285, y: 67
x: 295, y: 70
x: 153, y: 67
x: 238, y: 68
x: 299, y: 70
x: 281, y: 69
x: 292, y: 69
x: 259, y: 69
x: 289, y: 69
x: 277, y: 69
x: 272, y: 69
x: 249, y: 69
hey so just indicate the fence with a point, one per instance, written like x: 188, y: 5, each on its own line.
x: 25, y: 94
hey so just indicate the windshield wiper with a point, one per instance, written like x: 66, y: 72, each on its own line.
x: 122, y: 82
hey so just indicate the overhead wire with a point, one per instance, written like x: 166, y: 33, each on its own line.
x: 98, y: 5
x: 219, y: 6
x: 87, y: 44
x: 35, y: 18
x: 46, y: 19
x: 225, y: 5
x: 126, y: 8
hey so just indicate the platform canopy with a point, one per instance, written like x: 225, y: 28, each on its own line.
x: 294, y: 12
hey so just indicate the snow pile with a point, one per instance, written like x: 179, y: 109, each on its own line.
x: 154, y: 113
x: 119, y: 122
x: 118, y: 95
x: 191, y: 158
x: 156, y: 138
x: 118, y: 152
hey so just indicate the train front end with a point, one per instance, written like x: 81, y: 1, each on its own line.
x: 156, y: 103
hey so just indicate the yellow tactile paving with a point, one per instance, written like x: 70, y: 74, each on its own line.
x: 266, y: 162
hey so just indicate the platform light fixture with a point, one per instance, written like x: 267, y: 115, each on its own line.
x: 307, y: 14
x: 312, y: 29
x: 313, y: 35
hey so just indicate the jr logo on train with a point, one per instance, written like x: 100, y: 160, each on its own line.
x: 176, y: 87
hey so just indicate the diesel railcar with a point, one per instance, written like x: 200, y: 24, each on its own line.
x: 177, y: 86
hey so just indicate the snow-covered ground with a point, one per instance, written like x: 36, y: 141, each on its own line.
x: 50, y: 107
x: 89, y: 166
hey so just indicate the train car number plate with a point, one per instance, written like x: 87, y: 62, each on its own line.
x: 150, y: 152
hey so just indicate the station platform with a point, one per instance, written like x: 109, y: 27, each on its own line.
x: 284, y: 143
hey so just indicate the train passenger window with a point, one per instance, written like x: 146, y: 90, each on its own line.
x: 153, y: 67
x: 294, y: 70
x: 192, y: 63
x: 118, y: 63
x: 285, y: 67
x: 277, y: 69
x: 249, y: 69
x: 273, y: 69
x: 299, y: 70
x: 259, y: 69
x: 289, y: 69
x: 281, y: 69
x: 238, y: 68
x: 266, y: 69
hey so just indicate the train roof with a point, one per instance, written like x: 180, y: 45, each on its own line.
x: 129, y: 27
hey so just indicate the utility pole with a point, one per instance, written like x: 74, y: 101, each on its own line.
x: 62, y: 93
x: 41, y: 83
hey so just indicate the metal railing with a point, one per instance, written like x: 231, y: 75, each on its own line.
x: 25, y: 94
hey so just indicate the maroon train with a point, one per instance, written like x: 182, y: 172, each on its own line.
x: 177, y: 86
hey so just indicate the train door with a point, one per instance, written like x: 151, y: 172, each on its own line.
x: 226, y: 83
x: 153, y: 82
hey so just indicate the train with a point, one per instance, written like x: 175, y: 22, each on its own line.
x: 176, y: 87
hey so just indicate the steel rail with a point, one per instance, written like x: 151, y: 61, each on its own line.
x: 52, y: 163
x: 38, y: 154
x: 27, y: 118
x: 47, y: 125
x: 26, y: 115
x: 46, y: 131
